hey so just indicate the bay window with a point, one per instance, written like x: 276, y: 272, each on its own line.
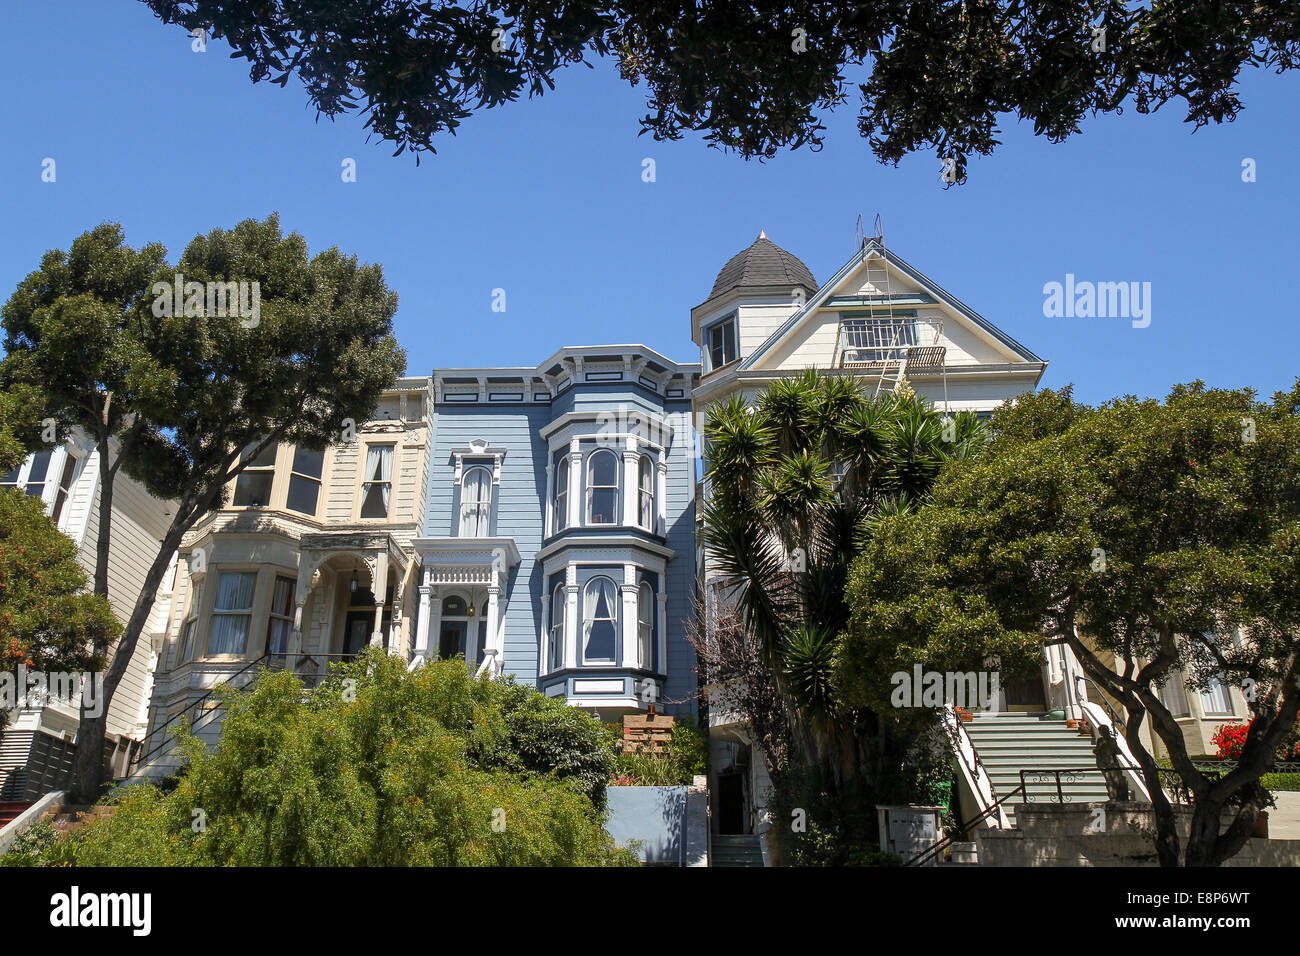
x: 253, y: 486
x: 280, y: 622
x: 304, y: 481
x: 562, y: 494
x: 557, y: 628
x: 645, y: 613
x: 377, y: 487
x: 602, y: 487
x: 232, y: 612
x: 599, y: 621
x: 646, y: 493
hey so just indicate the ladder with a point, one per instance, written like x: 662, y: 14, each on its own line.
x: 881, y: 285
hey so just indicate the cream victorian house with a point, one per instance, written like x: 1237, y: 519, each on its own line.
x: 309, y: 562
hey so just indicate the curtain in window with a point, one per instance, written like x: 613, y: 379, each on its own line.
x: 230, y: 630
x: 378, y: 481
x: 647, y: 483
x: 562, y: 494
x: 645, y: 625
x: 476, y: 504
x: 1173, y: 696
x: 599, y: 620
x: 557, y: 629
x: 1215, y: 699
x: 277, y: 634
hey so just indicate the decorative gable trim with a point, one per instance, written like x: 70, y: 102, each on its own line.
x: 870, y: 247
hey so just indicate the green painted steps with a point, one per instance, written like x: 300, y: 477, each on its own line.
x: 1008, y: 745
x: 736, y: 850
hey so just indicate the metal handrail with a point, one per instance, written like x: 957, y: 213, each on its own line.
x: 947, y: 841
x: 202, y: 700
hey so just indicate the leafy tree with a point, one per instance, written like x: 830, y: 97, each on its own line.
x: 376, y: 767
x: 758, y: 77
x: 1138, y: 533
x: 47, y: 620
x: 182, y: 400
x: 797, y: 481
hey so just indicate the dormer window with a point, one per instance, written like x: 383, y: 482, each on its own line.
x: 721, y: 342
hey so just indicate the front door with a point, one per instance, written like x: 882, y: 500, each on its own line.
x: 452, y: 640
x: 356, y: 631
x: 732, y: 812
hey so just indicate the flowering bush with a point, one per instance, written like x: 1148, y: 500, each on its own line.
x: 1230, y: 738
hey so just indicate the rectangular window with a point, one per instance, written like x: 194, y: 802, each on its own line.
x: 187, y: 641
x: 1215, y: 699
x: 476, y: 503
x: 1173, y: 695
x: 232, y: 612
x: 304, y: 481
x: 377, y: 487
x: 10, y: 478
x: 722, y: 344
x: 36, y: 473
x: 281, y: 620
x: 253, y: 486
x: 65, y: 484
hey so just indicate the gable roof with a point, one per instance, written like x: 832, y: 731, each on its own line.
x: 874, y: 246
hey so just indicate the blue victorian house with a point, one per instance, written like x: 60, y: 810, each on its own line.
x: 558, y: 540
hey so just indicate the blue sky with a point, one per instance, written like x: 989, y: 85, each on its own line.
x: 544, y: 198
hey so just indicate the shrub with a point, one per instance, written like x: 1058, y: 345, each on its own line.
x: 376, y: 767
x: 678, y: 763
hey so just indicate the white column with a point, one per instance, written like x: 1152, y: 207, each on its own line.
x: 575, y: 484
x: 379, y: 587
x: 631, y: 484
x: 661, y: 629
x: 661, y: 494
x: 571, y: 617
x: 629, y: 656
x: 549, y: 508
x: 544, y: 639
x: 422, y: 618
x: 435, y: 624
x: 492, y: 640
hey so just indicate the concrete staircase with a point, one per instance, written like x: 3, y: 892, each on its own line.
x: 1009, y: 743
x: 736, y: 850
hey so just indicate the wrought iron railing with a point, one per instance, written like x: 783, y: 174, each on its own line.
x: 1062, y: 777
x: 192, y: 707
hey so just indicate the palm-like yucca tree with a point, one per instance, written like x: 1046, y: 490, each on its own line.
x: 795, y: 480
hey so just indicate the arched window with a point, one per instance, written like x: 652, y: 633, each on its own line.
x: 557, y: 628
x: 646, y: 486
x: 454, y: 606
x: 645, y: 621
x: 602, y: 487
x: 599, y: 621
x: 562, y: 495
x: 476, y: 503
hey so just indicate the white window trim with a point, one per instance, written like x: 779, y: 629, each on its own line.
x: 586, y: 624
x: 589, y: 489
